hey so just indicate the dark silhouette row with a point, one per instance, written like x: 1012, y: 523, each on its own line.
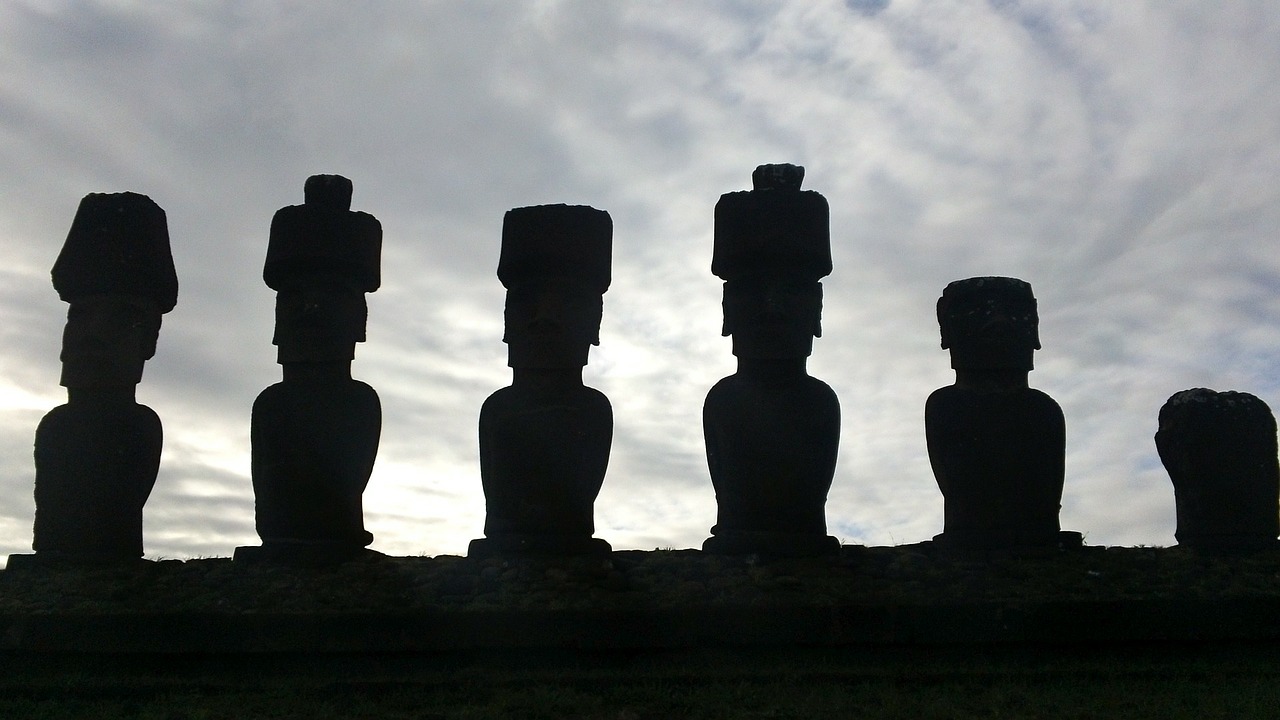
x: 772, y: 432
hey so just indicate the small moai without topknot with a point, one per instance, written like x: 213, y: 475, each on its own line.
x: 315, y: 434
x: 97, y: 456
x: 997, y: 446
x: 545, y: 439
x: 1220, y: 452
x: 772, y: 431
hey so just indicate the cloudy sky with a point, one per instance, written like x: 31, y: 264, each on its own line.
x: 1121, y: 157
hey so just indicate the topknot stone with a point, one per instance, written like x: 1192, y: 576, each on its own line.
x: 971, y: 303
x: 118, y: 245
x: 774, y: 230
x: 783, y: 176
x: 989, y: 286
x: 332, y: 192
x: 564, y: 242
x: 1202, y: 409
x: 323, y: 243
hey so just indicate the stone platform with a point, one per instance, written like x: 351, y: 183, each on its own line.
x: 907, y: 596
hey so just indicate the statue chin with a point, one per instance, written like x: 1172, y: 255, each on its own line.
x: 119, y: 370
x: 992, y: 356
x: 767, y: 344
x: 550, y: 355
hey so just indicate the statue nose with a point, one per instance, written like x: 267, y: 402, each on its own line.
x: 774, y: 306
x: 994, y: 323
x: 543, y: 325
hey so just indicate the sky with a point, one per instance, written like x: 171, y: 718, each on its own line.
x: 1122, y: 157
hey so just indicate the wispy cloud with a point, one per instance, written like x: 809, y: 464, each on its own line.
x: 1120, y: 157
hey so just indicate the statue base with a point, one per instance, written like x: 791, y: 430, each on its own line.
x: 1062, y: 541
x: 301, y: 553
x: 772, y: 544
x: 1227, y: 544
x: 53, y: 559
x: 539, y: 545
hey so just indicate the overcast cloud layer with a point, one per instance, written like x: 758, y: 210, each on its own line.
x: 1121, y: 157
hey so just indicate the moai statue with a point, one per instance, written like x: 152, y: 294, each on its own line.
x: 315, y: 434
x: 772, y: 432
x: 97, y: 456
x: 545, y: 439
x: 1220, y: 451
x: 997, y: 446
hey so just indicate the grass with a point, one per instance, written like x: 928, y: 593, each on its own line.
x: 1162, y: 700
x: 1149, y: 682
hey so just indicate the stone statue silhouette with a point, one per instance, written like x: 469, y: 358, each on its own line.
x: 997, y: 446
x: 315, y: 434
x: 772, y: 432
x: 97, y: 456
x: 1220, y: 452
x: 545, y: 439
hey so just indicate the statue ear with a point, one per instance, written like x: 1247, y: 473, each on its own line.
x: 1035, y: 315
x: 942, y: 323
x: 152, y: 336
x: 506, y: 315
x: 817, y: 315
x: 726, y: 326
x: 597, y: 318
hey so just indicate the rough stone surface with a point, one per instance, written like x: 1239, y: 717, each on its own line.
x: 323, y: 243
x: 999, y: 462
x: 118, y: 245
x: 902, y: 596
x: 776, y: 228
x: 997, y: 446
x: 772, y: 432
x: 989, y: 323
x: 97, y: 456
x: 314, y: 448
x: 573, y: 243
x: 96, y: 463
x: 545, y: 439
x: 315, y: 434
x: 1220, y: 452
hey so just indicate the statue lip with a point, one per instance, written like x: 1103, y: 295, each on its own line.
x: 772, y: 320
x: 543, y: 328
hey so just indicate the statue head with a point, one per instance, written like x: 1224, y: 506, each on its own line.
x: 772, y: 247
x: 319, y: 324
x: 555, y: 263
x: 550, y: 323
x: 107, y: 339
x: 989, y: 323
x: 772, y: 317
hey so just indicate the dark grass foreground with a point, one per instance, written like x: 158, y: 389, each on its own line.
x: 877, y: 632
x: 1152, y: 681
